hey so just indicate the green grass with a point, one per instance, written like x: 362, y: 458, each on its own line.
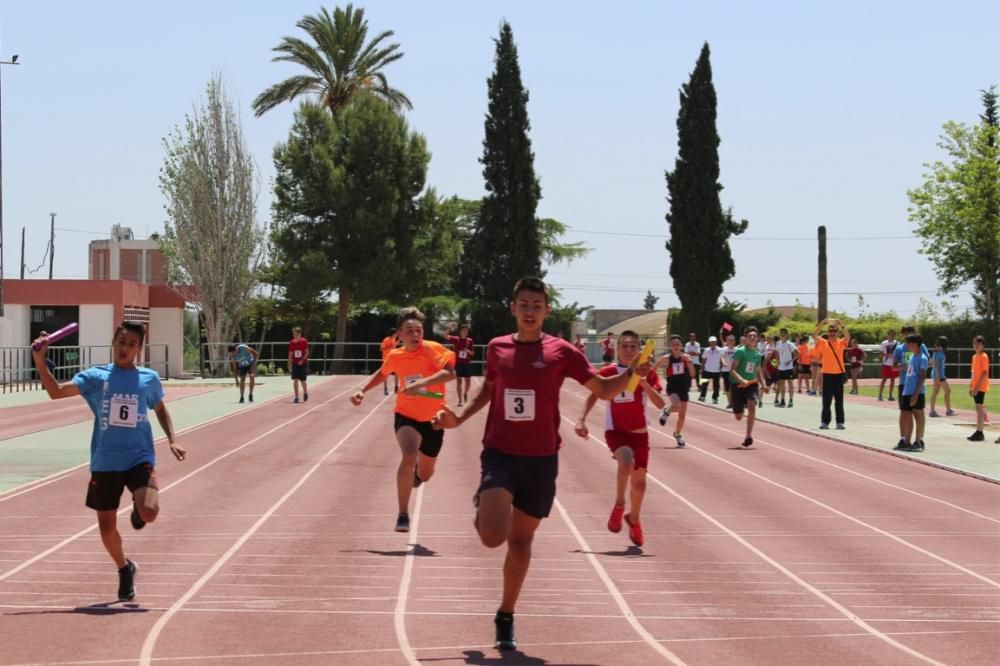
x: 960, y: 398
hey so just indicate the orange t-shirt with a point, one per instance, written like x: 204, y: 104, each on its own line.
x: 832, y: 354
x: 414, y: 366
x: 805, y: 355
x: 980, y: 372
x: 388, y: 344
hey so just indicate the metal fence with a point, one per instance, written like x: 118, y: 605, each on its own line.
x: 17, y: 367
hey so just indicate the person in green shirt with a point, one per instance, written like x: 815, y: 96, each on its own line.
x: 748, y: 380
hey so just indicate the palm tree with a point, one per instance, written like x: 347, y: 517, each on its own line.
x: 341, y: 64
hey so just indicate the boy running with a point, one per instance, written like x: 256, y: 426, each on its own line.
x: 524, y: 375
x: 389, y: 342
x: 464, y: 349
x: 979, y: 385
x: 626, y: 435
x: 747, y: 376
x: 121, y: 448
x: 298, y: 363
x: 243, y: 360
x: 679, y: 373
x: 425, y: 366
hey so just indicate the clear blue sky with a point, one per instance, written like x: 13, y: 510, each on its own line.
x: 827, y: 112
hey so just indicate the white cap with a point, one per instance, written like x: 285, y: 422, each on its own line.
x: 712, y: 338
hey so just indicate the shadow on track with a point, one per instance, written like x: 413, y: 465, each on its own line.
x: 106, y: 608
x: 631, y: 551
x: 509, y: 658
x: 416, y: 551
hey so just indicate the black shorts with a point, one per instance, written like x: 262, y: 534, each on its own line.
x: 786, y: 374
x: 979, y: 398
x: 430, y: 439
x: 904, y: 403
x: 245, y: 370
x: 104, y: 492
x: 463, y: 369
x: 679, y: 387
x: 300, y: 372
x: 769, y: 380
x: 608, y: 358
x: 805, y: 370
x: 727, y: 381
x: 741, y: 396
x: 530, y: 479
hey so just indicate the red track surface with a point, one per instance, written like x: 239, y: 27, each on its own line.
x: 798, y: 551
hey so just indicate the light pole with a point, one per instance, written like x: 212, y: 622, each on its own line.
x: 12, y: 61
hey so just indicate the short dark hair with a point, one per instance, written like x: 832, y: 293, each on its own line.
x: 942, y: 342
x: 783, y: 330
x: 229, y: 348
x: 675, y: 337
x: 628, y: 334
x: 907, y: 328
x: 531, y: 283
x: 406, y: 314
x: 131, y: 327
x: 914, y: 339
x: 463, y: 327
x: 749, y: 329
x: 980, y: 339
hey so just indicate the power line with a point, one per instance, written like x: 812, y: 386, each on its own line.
x: 741, y: 238
x: 640, y: 290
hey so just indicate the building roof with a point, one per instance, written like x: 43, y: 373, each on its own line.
x: 648, y: 324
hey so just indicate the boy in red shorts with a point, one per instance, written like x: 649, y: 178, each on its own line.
x: 524, y: 375
x: 626, y: 435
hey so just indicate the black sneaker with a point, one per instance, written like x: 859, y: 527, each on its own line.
x: 416, y: 478
x: 296, y: 401
x: 403, y: 522
x: 917, y: 445
x: 137, y: 522
x: 241, y: 400
x: 748, y: 442
x: 305, y: 397
x: 977, y: 436
x: 901, y: 445
x: 251, y: 397
x: 505, y: 631
x: 126, y: 581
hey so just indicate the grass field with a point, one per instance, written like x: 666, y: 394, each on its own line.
x: 960, y: 398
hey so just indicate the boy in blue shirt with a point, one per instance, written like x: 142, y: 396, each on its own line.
x: 912, y: 395
x: 243, y: 360
x: 121, y: 448
x: 900, y: 359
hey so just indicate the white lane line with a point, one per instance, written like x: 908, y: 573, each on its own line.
x: 614, y: 591
x: 58, y: 476
x: 855, y: 473
x: 70, y: 539
x: 777, y: 565
x: 399, y: 614
x: 146, y: 656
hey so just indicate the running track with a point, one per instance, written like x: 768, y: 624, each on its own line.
x: 275, y: 547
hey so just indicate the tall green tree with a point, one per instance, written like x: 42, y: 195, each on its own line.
x: 957, y: 210
x: 700, y: 258
x: 347, y: 190
x: 341, y: 63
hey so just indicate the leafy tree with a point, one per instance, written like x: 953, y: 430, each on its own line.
x: 957, y: 210
x: 700, y: 259
x: 649, y: 301
x: 342, y: 65
x: 211, y: 238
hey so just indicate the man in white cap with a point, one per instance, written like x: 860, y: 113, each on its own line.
x: 711, y: 369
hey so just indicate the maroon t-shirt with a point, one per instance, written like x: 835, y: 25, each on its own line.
x: 463, y: 348
x: 524, y: 405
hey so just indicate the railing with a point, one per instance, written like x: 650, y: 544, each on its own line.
x: 17, y: 368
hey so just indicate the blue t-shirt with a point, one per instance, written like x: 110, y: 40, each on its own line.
x: 243, y: 357
x: 916, y: 363
x: 938, y: 361
x: 120, y: 399
x: 902, y: 354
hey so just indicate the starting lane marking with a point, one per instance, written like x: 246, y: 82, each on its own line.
x: 399, y: 614
x: 777, y: 565
x: 146, y: 656
x: 88, y: 530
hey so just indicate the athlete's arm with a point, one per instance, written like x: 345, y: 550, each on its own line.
x: 163, y: 416
x: 452, y: 418
x: 442, y: 376
x: 374, y: 380
x: 655, y: 396
x: 49, y: 383
x: 607, y: 387
x: 289, y: 359
x: 580, y: 428
x: 920, y: 383
x: 761, y: 381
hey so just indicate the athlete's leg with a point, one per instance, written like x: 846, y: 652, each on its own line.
x: 243, y: 384
x: 751, y: 415
x: 147, y: 503
x: 107, y: 522
x: 934, y: 394
x: 626, y: 461
x: 682, y: 414
x: 919, y: 419
x: 515, y: 565
x: 637, y: 492
x: 409, y: 443
x: 425, y: 466
x: 947, y: 397
x: 493, y: 516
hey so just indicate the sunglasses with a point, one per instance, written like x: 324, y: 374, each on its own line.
x: 832, y: 329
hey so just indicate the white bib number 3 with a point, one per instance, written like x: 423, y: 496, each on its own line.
x: 519, y: 404
x: 124, y: 412
x: 297, y: 353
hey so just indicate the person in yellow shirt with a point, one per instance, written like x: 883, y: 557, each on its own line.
x: 980, y: 385
x: 830, y: 352
x: 425, y: 366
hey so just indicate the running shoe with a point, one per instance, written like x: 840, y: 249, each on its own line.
x: 748, y: 442
x: 715, y: 401
x: 296, y: 401
x: 880, y: 397
x: 505, y: 631
x: 417, y: 481
x: 126, y: 581
x: 385, y: 391
x: 891, y: 397
x: 824, y: 426
x: 791, y: 404
x: 241, y: 400
x: 305, y: 397
x: 664, y: 415
x: 615, y: 520
x: 951, y: 412
x: 251, y: 397
x: 701, y: 398
x: 403, y: 522
x: 933, y: 414
x: 137, y: 522
x: 634, y: 531
x: 841, y: 426
x: 901, y: 445
x: 680, y: 440
x: 917, y: 446
x: 977, y: 436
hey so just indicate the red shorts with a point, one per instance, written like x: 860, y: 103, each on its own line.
x: 888, y: 372
x: 637, y: 441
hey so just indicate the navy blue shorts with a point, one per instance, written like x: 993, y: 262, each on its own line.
x: 463, y: 369
x: 104, y: 492
x: 530, y: 479
x: 300, y: 372
x: 741, y: 396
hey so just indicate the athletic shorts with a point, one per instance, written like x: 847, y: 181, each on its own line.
x: 786, y: 374
x: 741, y: 396
x: 105, y: 490
x: 245, y: 370
x: 430, y: 439
x: 815, y: 364
x: 888, y: 372
x: 904, y: 403
x: 637, y: 441
x: 770, y: 380
x: 463, y: 369
x: 727, y: 382
x: 607, y: 358
x: 530, y: 479
x: 300, y: 372
x: 979, y: 398
x: 804, y: 370
x: 680, y: 388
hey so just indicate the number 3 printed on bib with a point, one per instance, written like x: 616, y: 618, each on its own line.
x: 124, y: 411
x: 519, y: 404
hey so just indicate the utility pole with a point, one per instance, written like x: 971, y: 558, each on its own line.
x: 12, y: 61
x: 52, y: 242
x: 22, y: 253
x: 821, y: 297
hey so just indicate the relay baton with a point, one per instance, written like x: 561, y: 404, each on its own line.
x: 644, y: 355
x: 68, y: 329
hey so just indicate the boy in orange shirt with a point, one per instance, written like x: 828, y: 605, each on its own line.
x: 980, y: 385
x: 805, y: 359
x: 389, y: 342
x: 425, y: 366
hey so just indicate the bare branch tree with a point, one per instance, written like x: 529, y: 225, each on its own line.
x: 212, y: 238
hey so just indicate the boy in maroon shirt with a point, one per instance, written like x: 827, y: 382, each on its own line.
x: 524, y: 375
x: 298, y: 363
x: 464, y: 349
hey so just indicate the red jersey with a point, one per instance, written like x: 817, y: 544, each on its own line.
x: 524, y: 403
x: 464, y: 348
x: 627, y: 411
x: 607, y: 347
x: 298, y: 349
x: 678, y: 366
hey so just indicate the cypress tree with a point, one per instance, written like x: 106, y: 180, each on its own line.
x: 700, y: 259
x: 505, y: 243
